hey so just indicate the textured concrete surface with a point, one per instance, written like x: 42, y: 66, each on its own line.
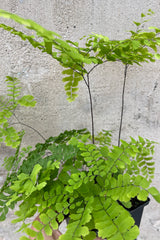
x: 41, y: 76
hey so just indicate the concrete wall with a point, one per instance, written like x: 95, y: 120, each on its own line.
x: 41, y: 76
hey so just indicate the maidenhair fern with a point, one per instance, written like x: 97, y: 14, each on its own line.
x: 142, y: 46
x: 98, y: 49
x: 70, y: 177
x: 8, y: 134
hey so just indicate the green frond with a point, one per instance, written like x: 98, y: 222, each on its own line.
x: 27, y: 101
x: 77, y: 225
x: 13, y: 88
x: 104, y: 138
x: 3, y: 210
x: 29, y: 24
x: 72, y: 80
x: 112, y: 221
x: 5, y: 195
x: 52, y: 183
x: 126, y: 187
x: 8, y: 134
x: 142, y: 163
x: 12, y: 162
x: 155, y: 193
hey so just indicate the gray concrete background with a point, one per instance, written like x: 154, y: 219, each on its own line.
x: 41, y: 76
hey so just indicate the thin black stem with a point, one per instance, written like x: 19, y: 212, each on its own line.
x: 96, y: 66
x: 85, y: 81
x: 26, y: 125
x: 91, y: 108
x: 122, y: 107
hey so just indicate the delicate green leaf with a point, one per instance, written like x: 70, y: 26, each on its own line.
x: 54, y: 224
x: 132, y: 233
x: 90, y: 236
x: 30, y: 232
x: 48, y: 45
x: 44, y: 218
x: 29, y: 24
x: 35, y: 172
x: 40, y: 236
x: 143, y: 195
x: 82, y: 231
x: 157, y: 56
x: 155, y: 193
x: 24, y: 238
x: 48, y: 230
x: 51, y: 213
x: 37, y: 225
x: 117, y: 236
x: 41, y: 185
x: 60, y: 217
x: 143, y: 15
x: 27, y: 101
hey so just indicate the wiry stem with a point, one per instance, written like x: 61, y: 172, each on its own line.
x: 122, y: 107
x: 87, y: 82
x: 26, y: 125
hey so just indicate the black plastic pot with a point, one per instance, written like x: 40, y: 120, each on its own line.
x: 138, y: 211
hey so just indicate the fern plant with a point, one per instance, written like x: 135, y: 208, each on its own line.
x: 78, y: 175
x: 79, y: 62
x: 8, y: 105
x: 68, y: 176
x: 9, y: 134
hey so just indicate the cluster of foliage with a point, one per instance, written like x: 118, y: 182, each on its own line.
x: 9, y: 135
x: 8, y: 104
x: 98, y: 49
x: 68, y: 176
